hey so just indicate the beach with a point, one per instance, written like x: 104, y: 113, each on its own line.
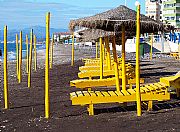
x: 26, y: 111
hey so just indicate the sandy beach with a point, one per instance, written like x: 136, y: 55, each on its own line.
x: 26, y: 111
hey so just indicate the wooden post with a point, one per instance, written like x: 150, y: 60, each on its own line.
x: 123, y: 60
x: 27, y: 54
x: 30, y: 59
x: 47, y: 67
x: 6, y: 99
x: 20, y: 58
x: 103, y: 50
x: 35, y: 54
x: 17, y: 57
x: 101, y: 58
x: 108, y: 53
x: 150, y: 105
x: 116, y: 64
x: 96, y: 50
x: 138, y: 94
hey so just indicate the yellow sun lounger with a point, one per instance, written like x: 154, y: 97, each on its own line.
x: 150, y: 92
x: 91, y: 83
x: 96, y: 73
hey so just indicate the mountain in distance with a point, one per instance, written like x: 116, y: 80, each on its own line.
x: 39, y: 31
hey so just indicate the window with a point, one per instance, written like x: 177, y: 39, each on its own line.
x: 172, y: 18
x: 166, y: 18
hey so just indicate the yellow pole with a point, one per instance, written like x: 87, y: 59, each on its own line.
x: 35, y: 54
x: 151, y: 46
x: 116, y: 64
x: 6, y: 101
x: 20, y: 57
x: 108, y: 53
x: 47, y: 67
x: 17, y: 56
x: 72, y: 61
x: 30, y: 59
x: 96, y: 50
x: 123, y: 60
x: 52, y: 46
x: 27, y: 54
x: 138, y: 94
x: 103, y: 50
x: 101, y: 57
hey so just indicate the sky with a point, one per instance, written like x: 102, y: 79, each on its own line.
x: 19, y: 14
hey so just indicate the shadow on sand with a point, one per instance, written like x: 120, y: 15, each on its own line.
x: 157, y: 107
x: 158, y: 74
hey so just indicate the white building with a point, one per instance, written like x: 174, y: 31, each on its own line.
x: 153, y: 9
x: 61, y: 35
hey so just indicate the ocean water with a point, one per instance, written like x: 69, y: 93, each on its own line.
x: 11, y: 49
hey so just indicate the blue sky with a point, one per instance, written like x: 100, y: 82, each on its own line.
x: 19, y: 14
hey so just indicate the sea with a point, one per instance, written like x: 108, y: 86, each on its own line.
x: 11, y: 49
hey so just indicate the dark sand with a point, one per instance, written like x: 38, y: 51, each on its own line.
x: 26, y: 111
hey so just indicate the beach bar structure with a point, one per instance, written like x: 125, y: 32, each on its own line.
x: 123, y: 20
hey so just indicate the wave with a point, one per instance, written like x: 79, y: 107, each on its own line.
x: 11, y: 55
x: 12, y: 51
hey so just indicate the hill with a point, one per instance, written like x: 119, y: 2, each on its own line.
x: 39, y: 31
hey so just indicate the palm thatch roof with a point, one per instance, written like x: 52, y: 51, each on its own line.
x: 113, y: 20
x: 92, y: 35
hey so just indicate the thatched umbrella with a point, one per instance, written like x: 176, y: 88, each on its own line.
x: 113, y: 19
x: 93, y: 35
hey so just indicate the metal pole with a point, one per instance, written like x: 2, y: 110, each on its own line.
x: 6, y: 99
x: 138, y: 94
x: 162, y: 41
x: 47, y: 67
x: 30, y: 59
x: 35, y: 54
x: 52, y: 47
x: 101, y: 57
x: 72, y: 61
x: 27, y: 54
x: 17, y: 56
x: 151, y: 46
x: 123, y: 60
x: 116, y: 64
x: 20, y: 57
